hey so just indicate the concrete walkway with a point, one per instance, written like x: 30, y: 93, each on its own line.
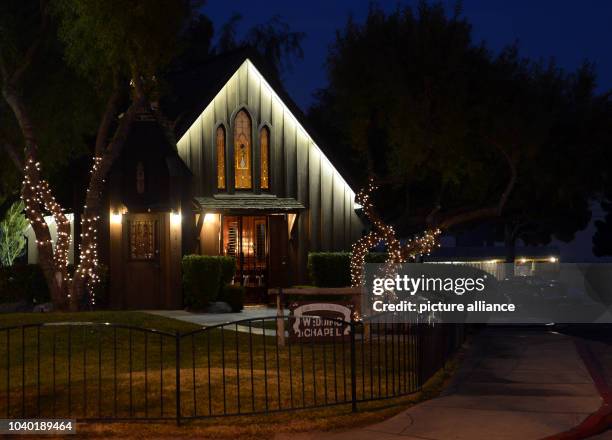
x: 514, y: 384
x: 210, y: 319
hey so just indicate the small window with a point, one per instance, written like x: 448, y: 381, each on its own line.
x: 264, y: 143
x: 142, y: 240
x: 242, y: 150
x: 220, y: 157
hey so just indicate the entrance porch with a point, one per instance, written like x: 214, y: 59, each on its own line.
x: 256, y: 231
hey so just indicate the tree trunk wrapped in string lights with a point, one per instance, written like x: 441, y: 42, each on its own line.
x: 381, y: 232
x: 86, y: 274
x: 38, y: 197
x: 422, y: 244
x: 67, y: 291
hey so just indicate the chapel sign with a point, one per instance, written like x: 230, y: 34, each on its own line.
x: 322, y: 321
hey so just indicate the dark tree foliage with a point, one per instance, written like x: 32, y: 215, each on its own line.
x: 566, y: 173
x: 274, y: 40
x: 195, y: 43
x: 116, y: 49
x: 456, y: 133
x: 50, y: 87
x: 228, y: 38
x: 602, y: 239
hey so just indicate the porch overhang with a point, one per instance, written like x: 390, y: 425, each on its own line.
x: 260, y: 203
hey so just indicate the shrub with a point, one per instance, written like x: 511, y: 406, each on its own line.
x: 330, y: 269
x: 23, y: 282
x: 234, y: 295
x: 228, y: 269
x: 203, y: 278
x: 333, y: 269
x: 12, y: 240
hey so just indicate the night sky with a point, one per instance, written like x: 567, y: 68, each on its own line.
x: 568, y: 31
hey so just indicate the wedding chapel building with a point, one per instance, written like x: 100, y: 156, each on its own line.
x: 238, y: 174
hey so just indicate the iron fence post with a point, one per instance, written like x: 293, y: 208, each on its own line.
x: 178, y: 377
x: 353, y: 368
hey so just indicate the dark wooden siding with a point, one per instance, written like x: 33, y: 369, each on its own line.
x: 298, y: 168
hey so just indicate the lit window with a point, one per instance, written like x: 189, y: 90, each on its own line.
x: 264, y: 142
x: 242, y: 150
x: 142, y: 240
x: 220, y: 157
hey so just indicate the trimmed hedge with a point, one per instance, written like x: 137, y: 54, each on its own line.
x: 330, y: 269
x: 228, y: 269
x: 23, y: 282
x: 203, y: 278
x: 333, y: 269
x: 234, y: 295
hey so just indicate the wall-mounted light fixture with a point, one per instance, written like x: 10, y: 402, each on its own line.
x: 209, y: 217
x: 175, y: 218
x: 115, y: 217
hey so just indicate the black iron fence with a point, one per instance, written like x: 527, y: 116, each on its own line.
x: 92, y: 371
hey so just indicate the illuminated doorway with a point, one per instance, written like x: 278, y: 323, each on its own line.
x: 246, y: 239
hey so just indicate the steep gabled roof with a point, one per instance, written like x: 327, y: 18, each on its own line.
x: 213, y: 75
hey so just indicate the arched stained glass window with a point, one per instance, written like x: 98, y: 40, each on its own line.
x: 242, y: 150
x: 264, y: 143
x: 220, y: 157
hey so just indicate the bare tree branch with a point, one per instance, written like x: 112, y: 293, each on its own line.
x: 15, y: 102
x: 11, y: 150
x: 485, y: 212
x: 32, y: 51
x: 110, y: 111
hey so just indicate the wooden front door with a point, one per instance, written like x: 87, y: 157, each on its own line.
x: 279, y: 268
x: 245, y: 239
x: 143, y: 254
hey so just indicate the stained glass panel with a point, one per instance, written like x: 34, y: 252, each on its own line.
x: 242, y: 150
x: 220, y: 157
x: 264, y: 142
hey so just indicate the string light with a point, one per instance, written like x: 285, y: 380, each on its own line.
x: 381, y: 232
x: 88, y: 268
x: 37, y: 195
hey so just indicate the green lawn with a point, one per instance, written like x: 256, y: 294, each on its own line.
x: 138, y: 319
x: 102, y: 371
